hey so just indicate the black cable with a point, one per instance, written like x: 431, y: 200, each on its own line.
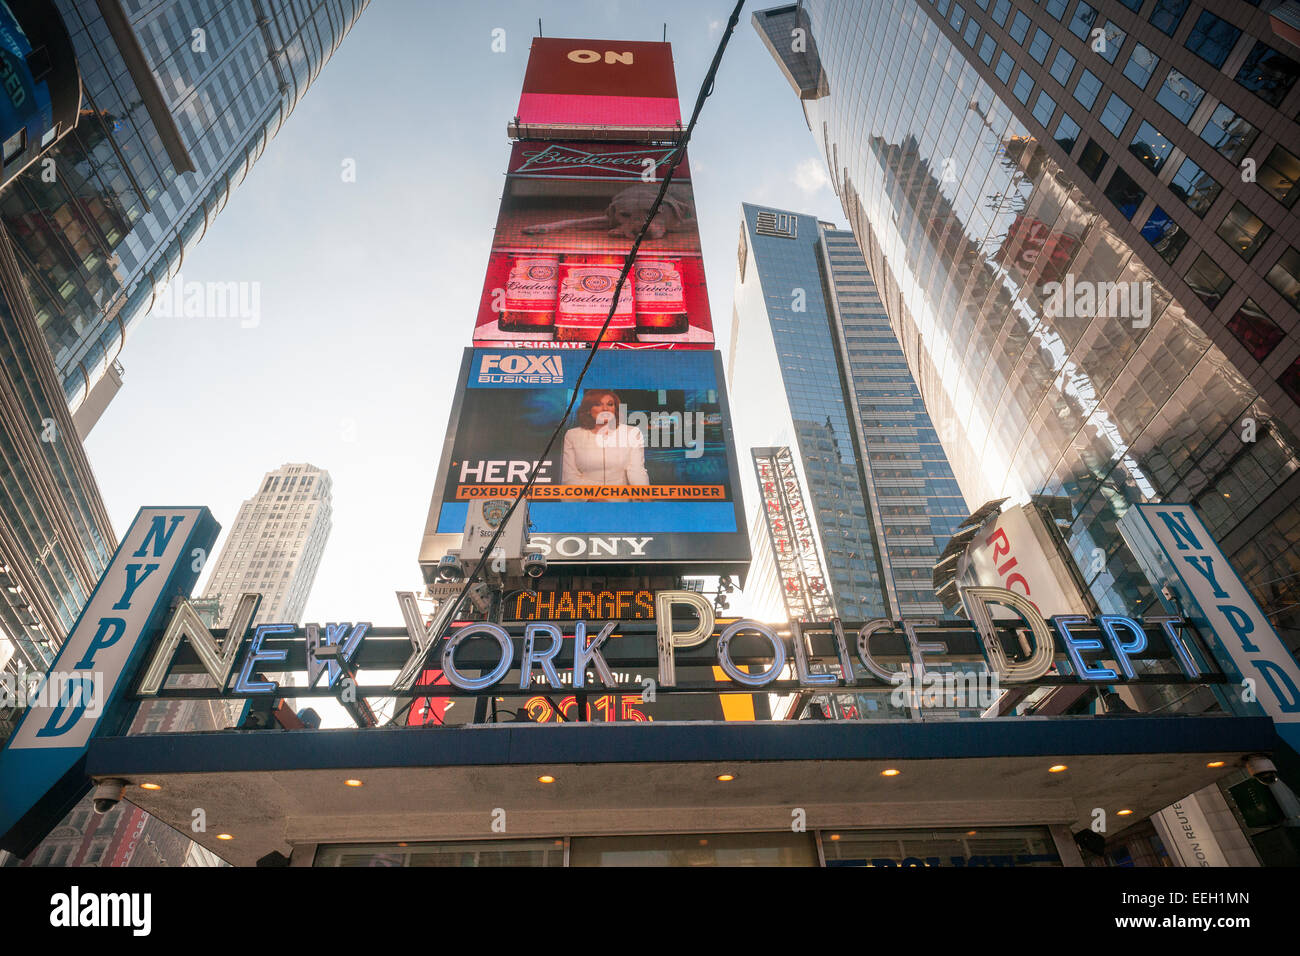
x: 706, y: 88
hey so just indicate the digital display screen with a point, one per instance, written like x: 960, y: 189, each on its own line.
x: 568, y: 217
x: 622, y: 86
x: 642, y: 472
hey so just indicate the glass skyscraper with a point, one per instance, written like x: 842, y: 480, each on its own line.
x: 179, y: 99
x: 1004, y: 166
x: 814, y: 367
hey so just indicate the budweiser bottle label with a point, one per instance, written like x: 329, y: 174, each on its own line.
x: 586, y: 293
x: 660, y: 302
x: 533, y: 285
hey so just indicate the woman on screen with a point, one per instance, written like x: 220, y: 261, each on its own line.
x: 600, y: 451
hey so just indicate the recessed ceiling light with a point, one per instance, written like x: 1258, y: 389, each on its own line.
x: 970, y: 832
x: 546, y: 778
x: 1057, y: 768
x: 352, y: 783
x: 835, y: 836
x: 1215, y: 763
x: 726, y: 777
x: 891, y: 772
x: 224, y: 836
x: 150, y: 786
x: 1124, y: 813
x: 704, y: 843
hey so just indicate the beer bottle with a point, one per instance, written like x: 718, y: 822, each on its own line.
x: 660, y: 303
x: 586, y: 293
x: 531, y: 293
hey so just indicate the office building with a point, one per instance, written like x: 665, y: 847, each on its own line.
x: 178, y: 101
x: 817, y: 372
x: 275, y: 545
x: 1006, y: 167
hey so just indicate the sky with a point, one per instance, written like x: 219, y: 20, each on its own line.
x: 367, y: 290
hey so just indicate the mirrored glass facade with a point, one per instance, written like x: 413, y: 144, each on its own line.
x: 1003, y: 241
x: 815, y: 366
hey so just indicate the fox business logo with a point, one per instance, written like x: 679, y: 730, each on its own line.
x: 522, y: 369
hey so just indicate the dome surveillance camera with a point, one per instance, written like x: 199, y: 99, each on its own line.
x: 107, y: 794
x: 534, y: 565
x: 450, y: 570
x: 1261, y: 768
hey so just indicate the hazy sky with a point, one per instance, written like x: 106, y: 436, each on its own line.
x: 369, y: 289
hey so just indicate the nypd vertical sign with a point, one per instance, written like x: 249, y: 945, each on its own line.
x: 1172, y: 538
x: 41, y: 774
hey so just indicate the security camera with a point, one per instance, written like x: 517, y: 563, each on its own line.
x: 450, y: 570
x: 107, y: 794
x: 534, y: 565
x: 1262, y: 769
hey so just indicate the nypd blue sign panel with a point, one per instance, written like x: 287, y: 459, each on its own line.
x: 1226, y: 607
x: 41, y: 766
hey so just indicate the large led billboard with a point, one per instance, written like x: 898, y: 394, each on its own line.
x: 568, y: 217
x: 598, y: 89
x: 644, y: 472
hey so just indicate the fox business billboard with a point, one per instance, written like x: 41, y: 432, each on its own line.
x: 601, y: 88
x: 644, y: 471
x: 568, y: 217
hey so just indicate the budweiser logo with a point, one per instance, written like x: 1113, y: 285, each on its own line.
x: 554, y: 158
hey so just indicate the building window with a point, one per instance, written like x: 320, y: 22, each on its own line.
x: 1207, y: 280
x: 972, y: 31
x: 1228, y: 133
x: 1179, y: 95
x: 1167, y: 15
x: 1244, y: 231
x: 1212, y: 39
x: 1268, y: 74
x: 1290, y: 381
x: 1092, y: 160
x: 1041, y: 44
x: 1044, y: 108
x: 1087, y: 88
x: 987, y: 49
x: 1067, y: 132
x: 1019, y: 27
x: 1056, y: 8
x: 1255, y: 330
x: 1285, y: 276
x: 957, y: 16
x: 1115, y: 115
x: 1024, y: 86
x: 1165, y: 235
x: 1082, y: 21
x: 1004, y: 67
x: 1000, y: 10
x: 1112, y: 39
x: 1141, y: 64
x: 1126, y: 194
x: 1195, y: 187
x: 1062, y: 65
x: 1150, y: 147
x: 1278, y: 175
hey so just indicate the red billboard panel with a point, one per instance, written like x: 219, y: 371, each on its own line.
x: 607, y: 88
x: 568, y: 218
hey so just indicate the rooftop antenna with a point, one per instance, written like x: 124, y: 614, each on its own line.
x: 665, y: 31
x: 539, y: 26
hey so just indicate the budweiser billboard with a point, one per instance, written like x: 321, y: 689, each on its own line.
x: 643, y: 473
x: 567, y: 221
x: 601, y: 89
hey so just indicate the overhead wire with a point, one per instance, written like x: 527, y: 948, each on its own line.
x: 679, y: 151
